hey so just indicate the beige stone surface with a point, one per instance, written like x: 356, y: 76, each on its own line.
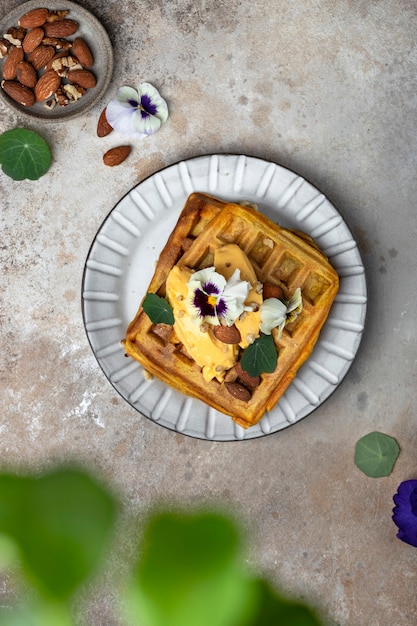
x: 328, y: 89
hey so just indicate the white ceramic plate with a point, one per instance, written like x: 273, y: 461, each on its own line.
x: 121, y: 262
x: 90, y: 29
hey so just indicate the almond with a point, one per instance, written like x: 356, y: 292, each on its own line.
x: 117, y: 155
x: 47, y: 85
x: 40, y: 56
x: 103, y: 127
x: 60, y: 28
x: 33, y: 18
x: 85, y: 78
x: 238, y: 391
x: 227, y: 334
x: 82, y: 52
x: 32, y: 39
x: 246, y: 379
x: 12, y: 61
x: 26, y: 74
x: 18, y: 92
x: 272, y: 291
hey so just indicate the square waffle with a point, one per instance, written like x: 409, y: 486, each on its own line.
x: 279, y: 256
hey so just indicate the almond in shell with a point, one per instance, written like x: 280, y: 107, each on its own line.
x: 82, y: 51
x: 32, y: 40
x: 61, y: 28
x: 40, y: 56
x: 116, y: 155
x: 33, y: 18
x: 85, y: 78
x: 47, y: 85
x: 13, y: 59
x: 18, y: 92
x: 26, y: 74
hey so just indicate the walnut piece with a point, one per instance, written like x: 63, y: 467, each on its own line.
x: 74, y: 92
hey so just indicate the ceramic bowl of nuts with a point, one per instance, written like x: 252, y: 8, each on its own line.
x: 56, y: 60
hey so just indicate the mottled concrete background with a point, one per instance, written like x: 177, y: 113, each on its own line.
x: 328, y: 89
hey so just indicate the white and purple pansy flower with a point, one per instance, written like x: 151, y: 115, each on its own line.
x: 137, y: 112
x: 276, y: 314
x: 214, y: 300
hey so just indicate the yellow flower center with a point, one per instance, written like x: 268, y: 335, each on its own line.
x: 212, y: 300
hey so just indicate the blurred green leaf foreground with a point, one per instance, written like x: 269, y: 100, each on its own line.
x: 189, y: 569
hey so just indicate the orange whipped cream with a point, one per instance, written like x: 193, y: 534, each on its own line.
x: 213, y: 356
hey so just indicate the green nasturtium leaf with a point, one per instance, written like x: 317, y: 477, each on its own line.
x: 260, y: 357
x: 375, y: 454
x: 158, y: 309
x: 24, y: 154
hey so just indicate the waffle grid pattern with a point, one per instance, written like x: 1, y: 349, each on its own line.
x: 278, y: 256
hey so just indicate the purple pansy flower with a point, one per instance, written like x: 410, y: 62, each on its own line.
x: 137, y: 112
x: 215, y: 300
x: 405, y: 512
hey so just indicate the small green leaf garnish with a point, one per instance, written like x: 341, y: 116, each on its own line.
x: 24, y: 154
x: 260, y: 357
x: 158, y: 309
x: 375, y: 454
